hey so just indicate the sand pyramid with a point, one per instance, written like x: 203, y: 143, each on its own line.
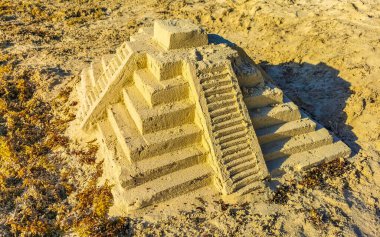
x: 173, y: 112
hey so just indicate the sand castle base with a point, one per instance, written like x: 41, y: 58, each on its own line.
x: 173, y: 113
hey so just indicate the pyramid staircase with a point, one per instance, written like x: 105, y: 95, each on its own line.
x: 289, y: 139
x: 154, y: 132
x: 96, y: 79
x: 231, y: 129
x: 173, y: 114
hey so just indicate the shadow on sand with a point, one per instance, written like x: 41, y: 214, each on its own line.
x: 317, y: 89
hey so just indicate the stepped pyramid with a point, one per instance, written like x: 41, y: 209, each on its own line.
x: 173, y: 112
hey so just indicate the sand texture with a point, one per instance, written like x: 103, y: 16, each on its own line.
x: 323, y: 55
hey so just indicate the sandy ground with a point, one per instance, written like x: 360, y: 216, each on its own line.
x: 325, y: 55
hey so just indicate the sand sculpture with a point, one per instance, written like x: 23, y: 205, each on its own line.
x: 173, y: 112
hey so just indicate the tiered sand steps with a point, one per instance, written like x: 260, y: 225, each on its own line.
x: 159, y: 142
x: 96, y: 79
x: 288, y: 138
x: 154, y: 130
x: 229, y: 129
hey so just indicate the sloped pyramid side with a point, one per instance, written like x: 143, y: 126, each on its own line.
x: 159, y: 145
x: 289, y: 139
x: 170, y: 121
x: 234, y: 145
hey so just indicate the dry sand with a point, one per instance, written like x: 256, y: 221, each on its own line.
x: 324, y: 54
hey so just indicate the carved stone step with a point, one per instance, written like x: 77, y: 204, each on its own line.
x: 150, y: 119
x: 235, y: 170
x: 128, y: 136
x: 227, y: 123
x: 156, y: 92
x: 296, y: 144
x: 215, y: 81
x: 221, y: 104
x: 226, y: 116
x: 216, y: 98
x: 161, y: 165
x: 169, y: 186
x: 137, y: 146
x: 233, y: 158
x: 250, y: 176
x: 229, y: 131
x: 218, y: 90
x: 285, y: 130
x: 269, y: 116
x: 261, y: 96
x: 170, y: 139
x: 251, y: 187
x: 307, y: 159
